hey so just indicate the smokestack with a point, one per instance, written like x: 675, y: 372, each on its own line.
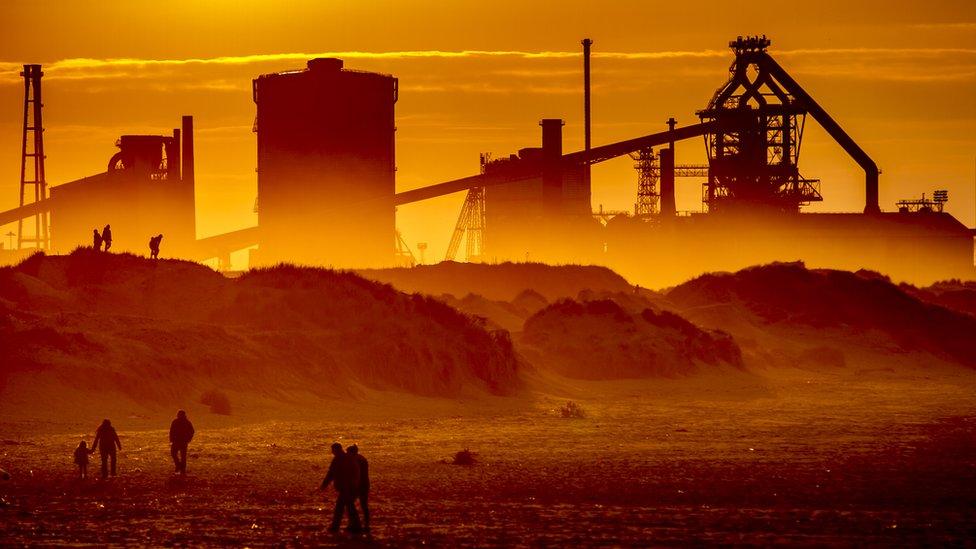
x: 188, y: 150
x: 667, y: 183
x: 552, y: 178
x: 586, y: 110
x: 586, y: 92
x: 188, y: 177
x: 174, y: 162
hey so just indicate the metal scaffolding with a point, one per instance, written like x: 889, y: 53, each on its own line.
x: 648, y: 197
x: 32, y: 163
x: 471, y: 223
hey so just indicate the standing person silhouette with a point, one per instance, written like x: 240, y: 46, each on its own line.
x: 107, y: 236
x: 344, y: 473
x: 106, y: 442
x: 96, y: 240
x: 180, y: 434
x: 363, y: 494
x: 154, y: 246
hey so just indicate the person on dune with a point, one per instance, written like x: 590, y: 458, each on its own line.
x: 344, y: 474
x: 107, y: 236
x: 180, y: 434
x: 96, y: 240
x: 363, y: 494
x: 154, y: 246
x: 107, y: 441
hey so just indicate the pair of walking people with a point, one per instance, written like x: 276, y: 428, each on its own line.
x: 107, y: 443
x: 349, y: 473
x: 104, y: 238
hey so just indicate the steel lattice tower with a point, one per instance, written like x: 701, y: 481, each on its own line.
x: 33, y: 151
x: 471, y: 223
x: 647, y: 174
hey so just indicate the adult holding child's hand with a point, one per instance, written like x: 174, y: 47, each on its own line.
x: 107, y: 442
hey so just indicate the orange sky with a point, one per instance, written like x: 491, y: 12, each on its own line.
x: 477, y: 77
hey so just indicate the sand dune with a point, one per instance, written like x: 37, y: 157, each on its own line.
x: 155, y: 332
x: 504, y: 281
x: 603, y: 340
x: 787, y: 307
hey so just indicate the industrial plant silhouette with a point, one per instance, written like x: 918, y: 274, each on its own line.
x: 326, y: 167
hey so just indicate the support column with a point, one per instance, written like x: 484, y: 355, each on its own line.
x: 552, y: 178
x: 667, y: 183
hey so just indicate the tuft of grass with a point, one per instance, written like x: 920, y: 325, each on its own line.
x: 572, y: 410
x: 218, y: 402
x: 465, y: 457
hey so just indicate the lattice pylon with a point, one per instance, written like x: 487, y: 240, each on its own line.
x: 32, y: 162
x: 470, y: 227
x: 648, y: 197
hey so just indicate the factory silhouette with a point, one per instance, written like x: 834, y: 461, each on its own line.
x: 326, y: 178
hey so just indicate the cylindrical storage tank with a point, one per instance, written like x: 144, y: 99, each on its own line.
x: 326, y: 166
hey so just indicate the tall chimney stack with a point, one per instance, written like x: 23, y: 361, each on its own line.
x: 586, y: 111
x: 586, y: 92
x: 188, y: 177
x: 187, y: 135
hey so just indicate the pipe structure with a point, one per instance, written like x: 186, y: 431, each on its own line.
x: 528, y: 169
x: 833, y: 128
x: 27, y: 210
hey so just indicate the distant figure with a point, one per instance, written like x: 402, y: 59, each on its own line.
x: 344, y: 472
x: 81, y: 458
x: 637, y: 289
x: 107, y: 236
x: 180, y: 435
x: 96, y: 240
x: 353, y: 451
x: 154, y: 246
x: 106, y: 442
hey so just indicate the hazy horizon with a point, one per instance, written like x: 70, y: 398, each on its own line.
x: 900, y: 80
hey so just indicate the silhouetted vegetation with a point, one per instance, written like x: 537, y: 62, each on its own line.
x: 571, y: 410
x: 465, y: 457
x: 218, y: 402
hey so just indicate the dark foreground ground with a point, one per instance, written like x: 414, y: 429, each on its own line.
x: 873, y: 458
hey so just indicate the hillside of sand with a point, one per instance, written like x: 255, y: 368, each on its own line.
x: 116, y: 326
x: 786, y: 314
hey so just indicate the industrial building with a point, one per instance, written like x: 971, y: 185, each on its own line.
x: 326, y: 188
x: 326, y: 166
x: 146, y: 189
x: 752, y: 197
x: 539, y: 218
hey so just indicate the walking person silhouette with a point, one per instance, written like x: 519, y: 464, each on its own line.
x: 106, y: 442
x: 154, y: 246
x: 344, y: 474
x: 96, y: 240
x: 363, y: 493
x: 107, y: 236
x: 81, y: 458
x: 180, y: 434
